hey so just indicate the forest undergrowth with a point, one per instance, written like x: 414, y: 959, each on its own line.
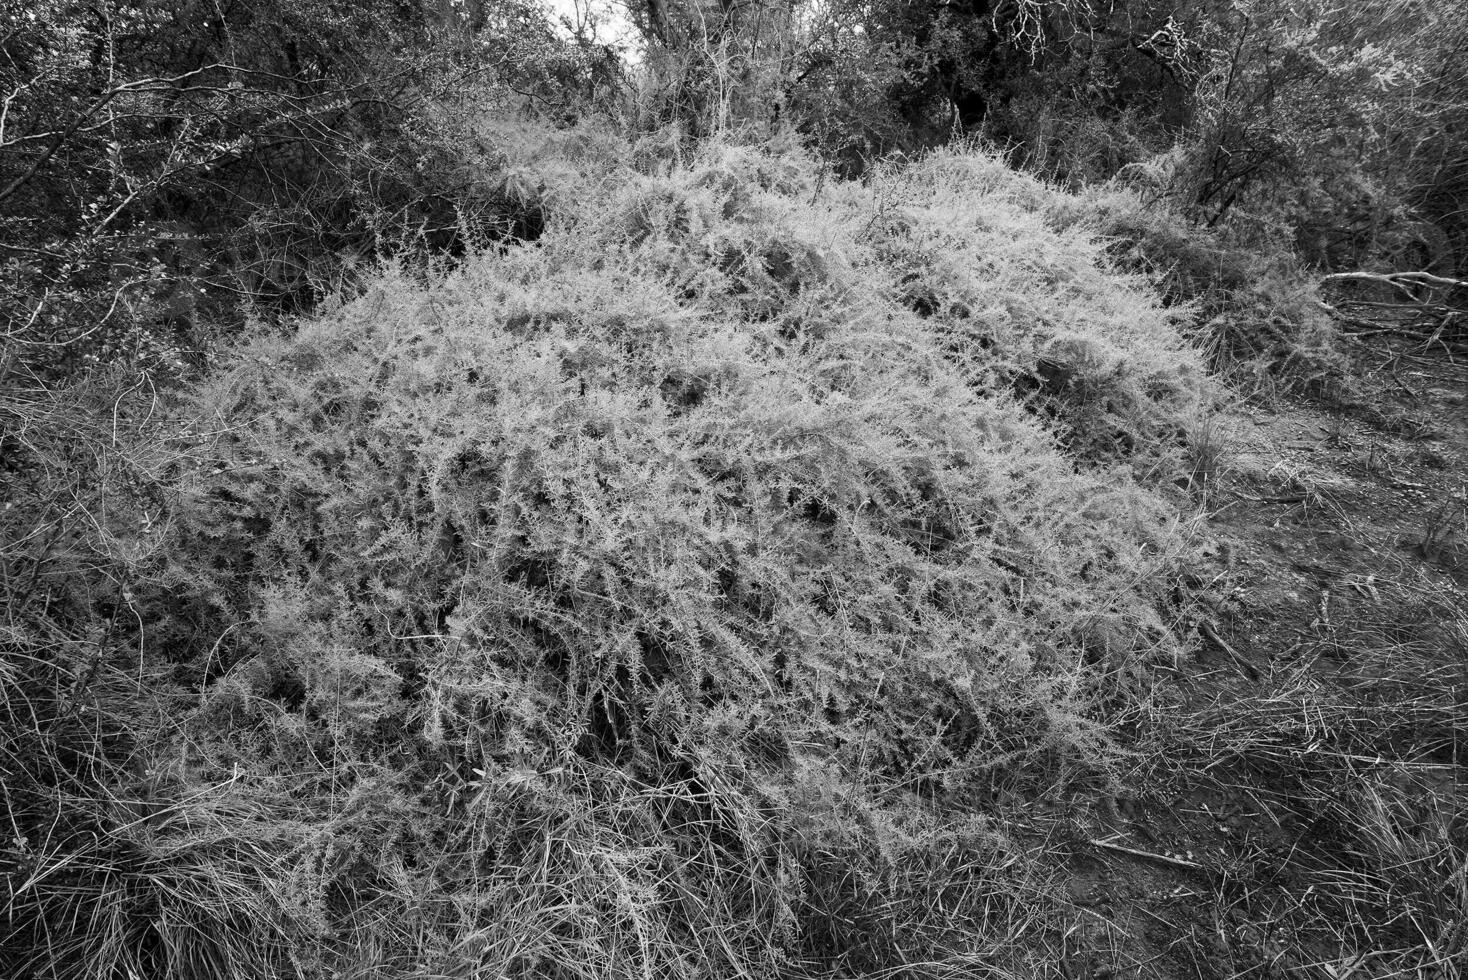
x: 753, y: 575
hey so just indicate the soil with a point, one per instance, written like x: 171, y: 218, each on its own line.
x: 1305, y: 816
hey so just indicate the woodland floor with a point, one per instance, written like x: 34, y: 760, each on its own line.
x: 1305, y: 814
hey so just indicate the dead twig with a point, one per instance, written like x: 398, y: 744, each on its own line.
x: 1208, y: 631
x: 1108, y: 845
x: 1398, y: 280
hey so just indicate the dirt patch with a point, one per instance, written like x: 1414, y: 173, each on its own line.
x: 1304, y: 813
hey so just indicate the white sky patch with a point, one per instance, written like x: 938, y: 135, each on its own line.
x: 604, y: 21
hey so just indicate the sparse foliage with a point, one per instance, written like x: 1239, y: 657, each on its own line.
x: 163, y: 167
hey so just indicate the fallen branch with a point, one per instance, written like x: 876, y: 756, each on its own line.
x: 1146, y: 855
x: 1206, y: 628
x: 1452, y: 347
x: 1399, y: 280
x: 1426, y: 320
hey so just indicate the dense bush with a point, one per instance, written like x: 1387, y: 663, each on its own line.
x: 684, y: 594
x: 1256, y: 311
x: 1214, y: 145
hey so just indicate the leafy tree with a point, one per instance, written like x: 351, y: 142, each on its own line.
x: 160, y: 162
x: 1342, y: 121
x: 885, y: 76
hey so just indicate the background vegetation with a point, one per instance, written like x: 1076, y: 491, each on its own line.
x: 478, y: 505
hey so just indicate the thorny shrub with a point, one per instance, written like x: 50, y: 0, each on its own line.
x: 680, y: 595
x: 1256, y: 311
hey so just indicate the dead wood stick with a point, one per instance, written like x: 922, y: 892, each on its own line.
x: 1396, y: 278
x: 1248, y: 669
x: 1147, y: 855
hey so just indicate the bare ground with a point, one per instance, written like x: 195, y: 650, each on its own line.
x: 1305, y: 814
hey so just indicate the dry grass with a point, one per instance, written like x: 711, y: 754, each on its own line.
x: 1347, y: 752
